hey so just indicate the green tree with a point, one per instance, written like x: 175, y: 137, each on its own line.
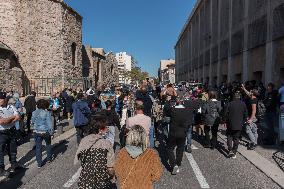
x: 136, y: 75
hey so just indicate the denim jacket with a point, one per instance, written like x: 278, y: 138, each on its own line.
x: 42, y: 121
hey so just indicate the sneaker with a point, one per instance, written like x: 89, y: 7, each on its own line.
x: 4, y: 173
x: 234, y: 156
x: 231, y: 153
x: 15, y: 167
x: 39, y: 166
x: 252, y: 146
x: 188, y: 149
x: 175, y: 170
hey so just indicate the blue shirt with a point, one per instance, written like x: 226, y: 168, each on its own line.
x: 80, y: 112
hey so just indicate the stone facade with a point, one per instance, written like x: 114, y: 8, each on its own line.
x: 46, y: 36
x: 232, y: 40
x: 99, y: 66
x: 10, y: 71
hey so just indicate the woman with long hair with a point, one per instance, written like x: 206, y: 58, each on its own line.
x: 137, y: 166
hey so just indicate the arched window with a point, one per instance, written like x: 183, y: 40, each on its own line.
x: 73, y: 51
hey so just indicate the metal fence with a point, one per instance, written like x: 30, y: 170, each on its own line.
x: 45, y: 86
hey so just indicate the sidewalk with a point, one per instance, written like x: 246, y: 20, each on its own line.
x: 268, y: 159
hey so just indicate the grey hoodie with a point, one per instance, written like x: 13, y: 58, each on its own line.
x: 134, y: 151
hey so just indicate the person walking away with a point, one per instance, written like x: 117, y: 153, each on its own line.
x: 30, y: 106
x: 55, y: 107
x: 96, y: 155
x: 146, y: 99
x: 281, y: 94
x: 112, y: 120
x: 43, y: 130
x: 271, y: 117
x: 69, y: 101
x: 136, y: 165
x: 211, y: 112
x: 251, y: 126
x: 198, y: 117
x: 143, y: 120
x: 236, y: 115
x: 81, y: 112
x: 192, y: 109
x: 181, y: 120
x: 8, y: 117
x: 15, y: 101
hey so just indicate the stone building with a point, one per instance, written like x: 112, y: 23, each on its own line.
x: 232, y: 40
x: 46, y: 36
x: 100, y: 67
x: 10, y: 70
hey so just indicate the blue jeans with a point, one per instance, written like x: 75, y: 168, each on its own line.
x: 251, y: 130
x: 111, y: 134
x: 151, y: 136
x: 38, y: 142
x: 189, y: 136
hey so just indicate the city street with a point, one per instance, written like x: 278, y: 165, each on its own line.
x: 204, y: 168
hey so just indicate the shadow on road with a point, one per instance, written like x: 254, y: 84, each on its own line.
x: 278, y: 157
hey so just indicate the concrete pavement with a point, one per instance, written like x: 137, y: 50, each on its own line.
x: 205, y: 168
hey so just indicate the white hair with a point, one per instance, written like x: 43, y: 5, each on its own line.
x: 138, y: 137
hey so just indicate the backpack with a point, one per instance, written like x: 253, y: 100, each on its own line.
x: 213, y: 108
x: 260, y: 109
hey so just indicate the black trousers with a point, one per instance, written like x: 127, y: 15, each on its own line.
x: 56, y: 117
x: 29, y: 117
x: 233, y: 139
x: 8, y: 141
x: 81, y: 132
x: 172, y: 143
x: 214, y: 131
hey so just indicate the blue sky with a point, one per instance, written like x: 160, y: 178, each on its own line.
x: 146, y: 29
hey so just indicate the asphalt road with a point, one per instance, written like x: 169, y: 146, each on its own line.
x: 205, y: 168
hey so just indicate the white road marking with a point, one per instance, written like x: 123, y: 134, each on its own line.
x: 193, y: 147
x: 201, y: 179
x: 74, y: 179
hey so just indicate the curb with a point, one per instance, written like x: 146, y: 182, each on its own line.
x: 269, y: 169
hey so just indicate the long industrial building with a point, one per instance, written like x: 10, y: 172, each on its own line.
x: 232, y: 40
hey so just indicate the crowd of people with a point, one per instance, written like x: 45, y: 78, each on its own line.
x: 138, y: 115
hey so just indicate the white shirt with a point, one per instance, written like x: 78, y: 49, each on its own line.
x: 6, y: 112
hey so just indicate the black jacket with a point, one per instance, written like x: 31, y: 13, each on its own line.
x: 271, y: 102
x: 236, y: 114
x: 30, y: 104
x: 181, y: 119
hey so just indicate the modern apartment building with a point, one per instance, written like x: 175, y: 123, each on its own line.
x: 125, y: 64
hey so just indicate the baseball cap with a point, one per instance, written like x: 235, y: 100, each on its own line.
x: 2, y: 95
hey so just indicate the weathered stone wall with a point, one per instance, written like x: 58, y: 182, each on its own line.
x: 11, y: 77
x: 41, y: 33
x: 101, y: 68
x: 110, y: 71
